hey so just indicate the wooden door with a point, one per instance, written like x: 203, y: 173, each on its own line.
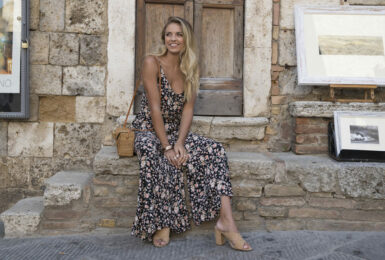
x: 218, y: 27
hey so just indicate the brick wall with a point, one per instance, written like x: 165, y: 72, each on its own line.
x: 311, y: 135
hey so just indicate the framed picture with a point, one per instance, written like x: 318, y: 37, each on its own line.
x: 340, y: 45
x: 14, y: 53
x: 363, y: 131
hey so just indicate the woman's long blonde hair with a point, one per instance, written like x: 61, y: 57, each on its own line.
x: 188, y: 56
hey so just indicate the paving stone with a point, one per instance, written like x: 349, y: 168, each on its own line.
x: 84, y: 81
x: 23, y: 218
x: 52, y: 15
x: 39, y: 136
x: 64, y: 49
x: 46, y: 79
x: 39, y: 47
x: 65, y: 186
x: 86, y: 16
x: 93, y: 50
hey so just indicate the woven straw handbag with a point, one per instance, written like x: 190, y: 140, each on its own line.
x: 125, y: 136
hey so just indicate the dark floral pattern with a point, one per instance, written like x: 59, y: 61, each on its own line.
x: 161, y: 196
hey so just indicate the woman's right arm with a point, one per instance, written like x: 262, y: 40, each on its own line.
x: 150, y: 71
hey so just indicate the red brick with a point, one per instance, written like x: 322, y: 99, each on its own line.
x: 274, y: 88
x: 276, y: 14
x: 284, y: 224
x: 282, y: 201
x: 277, y: 68
x: 332, y: 203
x: 311, y: 121
x: 59, y: 225
x: 275, y: 32
x: 59, y: 214
x: 310, y: 149
x: 272, y: 211
x: 313, y: 213
x: 278, y: 100
x: 311, y: 129
x: 306, y: 139
x: 274, y: 53
x: 363, y: 215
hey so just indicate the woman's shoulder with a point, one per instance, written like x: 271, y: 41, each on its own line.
x: 150, y: 60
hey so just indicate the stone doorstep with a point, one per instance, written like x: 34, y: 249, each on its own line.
x: 65, y: 186
x: 23, y: 218
x: 313, y: 173
x: 224, y: 128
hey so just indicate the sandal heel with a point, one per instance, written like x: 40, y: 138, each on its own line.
x: 219, y: 238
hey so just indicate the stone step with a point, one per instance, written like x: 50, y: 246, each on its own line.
x: 23, y: 218
x: 312, y: 173
x: 66, y: 186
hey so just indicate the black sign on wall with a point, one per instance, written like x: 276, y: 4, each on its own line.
x: 14, y: 59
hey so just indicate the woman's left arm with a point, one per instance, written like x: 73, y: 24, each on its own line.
x: 185, y: 124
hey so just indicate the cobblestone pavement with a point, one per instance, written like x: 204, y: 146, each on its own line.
x: 296, y: 245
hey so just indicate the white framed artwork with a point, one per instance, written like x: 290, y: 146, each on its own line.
x: 340, y: 45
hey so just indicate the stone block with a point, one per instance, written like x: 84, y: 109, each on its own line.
x: 100, y: 191
x: 272, y: 211
x: 310, y: 149
x: 33, y: 108
x: 314, y: 173
x: 314, y: 213
x: 332, y: 203
x: 39, y: 47
x: 274, y: 55
x: 246, y: 204
x: 107, y: 223
x: 65, y: 186
x: 371, y: 204
x: 77, y: 140
x: 23, y: 218
x: 367, y: 2
x: 62, y: 214
x: 107, y: 162
x: 46, y: 79
x: 289, y: 85
x: 201, y: 125
x: 54, y: 225
x: 64, y: 49
x: 275, y: 32
x: 274, y: 190
x: 362, y: 215
x: 16, y: 172
x: 93, y: 50
x: 41, y: 169
x: 3, y: 138
x: 246, y: 188
x: 52, y: 15
x: 84, y: 81
x: 287, y: 48
x: 86, y: 16
x: 278, y: 100
x: 287, y: 10
x: 326, y: 109
x: 57, y: 109
x: 90, y: 109
x: 239, y: 128
x: 363, y: 181
x: 39, y: 136
x: 251, y: 166
x: 288, y: 202
x: 340, y: 225
x: 284, y: 224
x: 34, y: 9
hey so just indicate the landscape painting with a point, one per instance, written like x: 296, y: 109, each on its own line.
x: 364, y: 134
x: 351, y: 45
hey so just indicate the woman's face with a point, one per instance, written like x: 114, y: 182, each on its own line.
x: 173, y: 38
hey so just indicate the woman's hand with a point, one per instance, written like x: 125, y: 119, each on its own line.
x: 171, y: 157
x: 181, y: 154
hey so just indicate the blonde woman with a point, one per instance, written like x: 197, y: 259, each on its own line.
x: 165, y: 146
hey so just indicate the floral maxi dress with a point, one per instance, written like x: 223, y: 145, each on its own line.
x: 161, y: 197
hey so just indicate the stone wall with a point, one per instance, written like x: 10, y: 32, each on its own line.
x: 68, y: 56
x: 281, y: 133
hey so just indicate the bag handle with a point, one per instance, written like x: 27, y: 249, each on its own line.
x: 136, y: 89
